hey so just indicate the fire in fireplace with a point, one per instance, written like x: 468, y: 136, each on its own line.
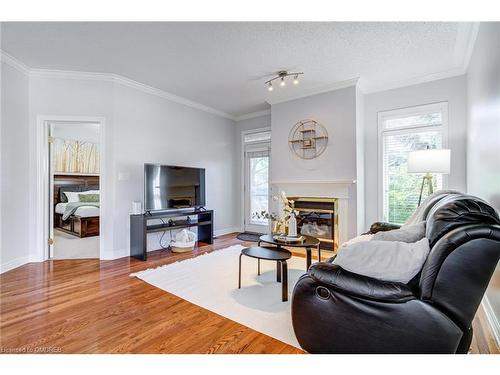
x: 317, y: 217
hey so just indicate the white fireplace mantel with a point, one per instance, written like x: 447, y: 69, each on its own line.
x: 334, y: 189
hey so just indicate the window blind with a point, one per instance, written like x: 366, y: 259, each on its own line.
x: 401, y: 135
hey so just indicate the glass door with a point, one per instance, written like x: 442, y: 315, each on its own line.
x: 257, y: 162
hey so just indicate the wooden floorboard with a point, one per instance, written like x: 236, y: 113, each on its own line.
x: 92, y: 306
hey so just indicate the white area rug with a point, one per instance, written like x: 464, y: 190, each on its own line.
x: 211, y: 281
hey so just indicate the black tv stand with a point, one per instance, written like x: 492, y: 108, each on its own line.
x: 139, y: 227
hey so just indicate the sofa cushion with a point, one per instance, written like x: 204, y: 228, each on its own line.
x: 384, y: 260
x: 407, y: 233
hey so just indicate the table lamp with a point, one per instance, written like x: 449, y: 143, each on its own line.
x: 428, y: 161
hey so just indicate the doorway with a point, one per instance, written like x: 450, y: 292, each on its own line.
x: 257, y: 164
x: 74, y: 189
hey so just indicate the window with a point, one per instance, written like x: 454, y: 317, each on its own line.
x: 258, y: 185
x: 402, y: 131
x: 256, y: 189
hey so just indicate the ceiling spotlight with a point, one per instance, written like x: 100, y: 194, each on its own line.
x: 281, y: 75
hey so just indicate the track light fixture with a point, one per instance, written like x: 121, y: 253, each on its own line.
x: 281, y: 75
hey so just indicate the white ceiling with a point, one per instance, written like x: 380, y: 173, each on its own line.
x: 224, y: 65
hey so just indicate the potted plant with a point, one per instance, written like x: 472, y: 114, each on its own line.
x: 279, y: 223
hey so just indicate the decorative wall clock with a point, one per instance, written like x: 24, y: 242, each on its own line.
x: 308, y: 139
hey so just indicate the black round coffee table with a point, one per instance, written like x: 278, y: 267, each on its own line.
x: 308, y: 243
x: 280, y: 256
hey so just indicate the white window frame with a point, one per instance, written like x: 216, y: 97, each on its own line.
x: 405, y: 112
x: 243, y: 168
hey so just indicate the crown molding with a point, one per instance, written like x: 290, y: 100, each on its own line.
x: 370, y: 89
x: 464, y: 46
x: 319, y: 90
x: 15, y: 63
x: 471, y: 42
x: 253, y: 115
x: 169, y: 96
x: 109, y: 77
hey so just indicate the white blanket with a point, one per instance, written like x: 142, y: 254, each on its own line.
x: 85, y: 211
x: 384, y: 260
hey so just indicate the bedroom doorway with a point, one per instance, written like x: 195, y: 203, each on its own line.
x: 74, y: 161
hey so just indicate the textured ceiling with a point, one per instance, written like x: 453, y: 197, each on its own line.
x: 224, y: 65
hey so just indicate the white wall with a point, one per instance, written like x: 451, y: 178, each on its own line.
x: 15, y: 197
x: 360, y: 162
x: 139, y: 127
x: 75, y: 97
x: 336, y: 111
x: 483, y: 130
x: 75, y: 131
x: 151, y: 129
x: 452, y: 90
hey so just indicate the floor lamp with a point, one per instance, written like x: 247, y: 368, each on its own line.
x: 428, y: 161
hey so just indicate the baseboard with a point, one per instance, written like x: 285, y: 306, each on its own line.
x: 115, y: 254
x: 221, y: 232
x: 126, y: 252
x: 14, y: 263
x: 492, y: 319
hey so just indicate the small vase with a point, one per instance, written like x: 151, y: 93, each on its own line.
x: 275, y: 227
x: 292, y: 225
x: 282, y: 227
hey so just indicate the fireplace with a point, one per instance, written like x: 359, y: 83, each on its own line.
x: 318, y: 217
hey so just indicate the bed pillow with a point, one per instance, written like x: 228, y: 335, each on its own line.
x: 89, y: 192
x: 407, y: 233
x: 88, y: 197
x: 384, y: 260
x: 73, y: 196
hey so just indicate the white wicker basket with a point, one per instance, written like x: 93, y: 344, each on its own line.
x: 183, y: 246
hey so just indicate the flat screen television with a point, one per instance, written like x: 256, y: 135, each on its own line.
x: 168, y: 187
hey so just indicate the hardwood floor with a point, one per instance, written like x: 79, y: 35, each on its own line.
x: 92, y: 306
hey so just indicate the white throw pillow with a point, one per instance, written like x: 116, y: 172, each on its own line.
x: 407, y: 233
x: 384, y: 260
x: 360, y: 238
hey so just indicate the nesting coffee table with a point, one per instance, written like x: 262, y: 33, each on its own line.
x: 280, y: 256
x: 308, y: 243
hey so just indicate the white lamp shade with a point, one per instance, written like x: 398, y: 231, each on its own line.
x: 429, y: 161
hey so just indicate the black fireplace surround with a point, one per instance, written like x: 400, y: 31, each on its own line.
x: 336, y: 311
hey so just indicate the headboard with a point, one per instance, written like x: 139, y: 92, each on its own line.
x: 73, y: 183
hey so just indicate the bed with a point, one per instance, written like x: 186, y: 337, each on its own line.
x: 84, y: 222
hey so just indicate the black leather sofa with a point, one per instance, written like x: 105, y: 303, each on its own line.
x: 336, y: 311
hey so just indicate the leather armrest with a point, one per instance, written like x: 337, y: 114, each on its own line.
x: 381, y: 226
x: 336, y: 278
